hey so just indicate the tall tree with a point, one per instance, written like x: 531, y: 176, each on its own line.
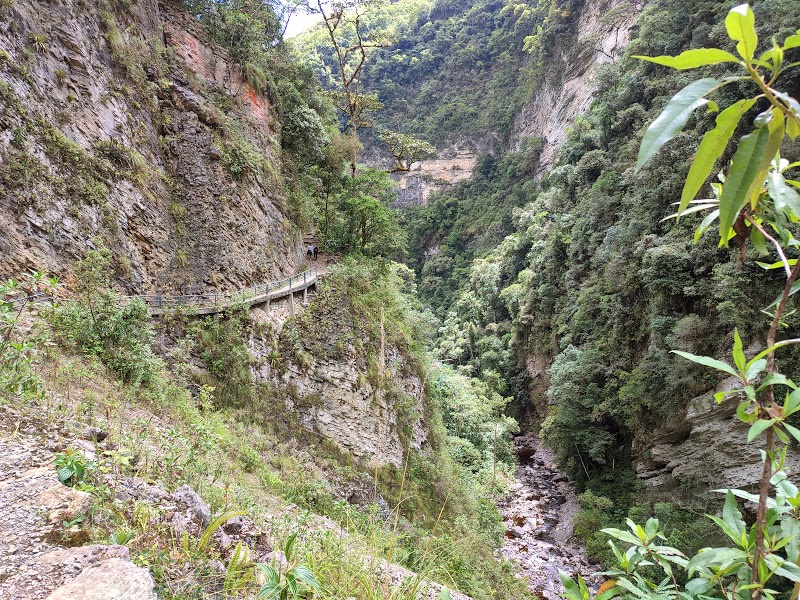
x: 351, y: 41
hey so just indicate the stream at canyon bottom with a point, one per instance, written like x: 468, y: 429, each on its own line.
x: 537, y: 513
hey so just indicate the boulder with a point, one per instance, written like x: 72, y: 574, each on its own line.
x: 112, y: 579
x: 193, y: 503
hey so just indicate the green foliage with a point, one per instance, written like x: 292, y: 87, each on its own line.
x: 365, y: 223
x: 101, y: 324
x: 222, y: 348
x: 766, y: 552
x: 288, y: 582
x: 427, y: 83
x: 479, y: 434
x: 17, y: 351
x: 72, y: 467
x: 240, y: 158
x: 405, y: 148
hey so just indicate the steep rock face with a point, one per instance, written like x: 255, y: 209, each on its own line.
x: 449, y: 166
x: 705, y: 449
x: 600, y: 32
x: 125, y: 125
x: 325, y: 380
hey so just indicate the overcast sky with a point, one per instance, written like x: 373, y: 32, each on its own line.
x: 299, y: 22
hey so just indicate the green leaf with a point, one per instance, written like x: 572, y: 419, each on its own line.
x: 731, y: 514
x: 705, y: 224
x: 743, y: 414
x: 572, y: 590
x: 689, y: 211
x: 289, y: 547
x: 792, y: 291
x: 740, y: 24
x: 776, y: 128
x: 758, y: 428
x: 753, y: 368
x: 795, y: 433
x: 776, y: 265
x: 738, y: 353
x: 711, y: 148
x: 692, y: 59
x: 674, y: 117
x: 731, y: 532
x: 708, y: 362
x: 776, y: 379
x: 759, y: 242
x: 609, y: 593
x: 305, y: 575
x: 621, y: 535
x: 793, y: 41
x: 789, y: 571
x: 744, y: 170
x: 445, y: 595
x: 783, y: 195
x: 792, y: 403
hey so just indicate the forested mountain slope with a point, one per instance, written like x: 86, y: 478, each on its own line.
x: 582, y: 303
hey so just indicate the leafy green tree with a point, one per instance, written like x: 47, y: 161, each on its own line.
x: 351, y: 42
x: 406, y: 149
x: 368, y: 225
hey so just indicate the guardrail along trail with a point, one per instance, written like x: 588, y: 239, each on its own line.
x: 262, y: 293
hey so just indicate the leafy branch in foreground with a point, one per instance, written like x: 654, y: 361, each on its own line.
x: 754, y: 200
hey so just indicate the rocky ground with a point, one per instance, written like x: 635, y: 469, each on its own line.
x: 47, y: 551
x: 39, y: 557
x: 537, y: 512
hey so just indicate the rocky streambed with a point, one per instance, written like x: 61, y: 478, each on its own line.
x: 537, y: 512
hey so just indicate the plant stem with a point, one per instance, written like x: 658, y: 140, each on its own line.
x: 787, y: 268
x: 769, y: 400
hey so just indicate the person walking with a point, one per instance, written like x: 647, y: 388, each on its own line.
x: 316, y: 252
x: 309, y: 251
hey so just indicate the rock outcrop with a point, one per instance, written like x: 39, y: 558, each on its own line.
x: 330, y: 395
x: 130, y: 127
x: 449, y: 166
x: 599, y: 33
x: 706, y: 449
x: 112, y: 579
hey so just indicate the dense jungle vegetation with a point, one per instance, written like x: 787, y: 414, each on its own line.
x: 570, y: 272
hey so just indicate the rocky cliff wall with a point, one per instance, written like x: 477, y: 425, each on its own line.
x: 323, y: 367
x: 705, y: 449
x: 121, y: 123
x: 599, y: 33
x: 449, y: 166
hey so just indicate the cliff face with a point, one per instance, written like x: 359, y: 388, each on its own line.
x: 598, y: 35
x: 450, y: 166
x: 705, y: 449
x: 329, y: 396
x: 122, y: 123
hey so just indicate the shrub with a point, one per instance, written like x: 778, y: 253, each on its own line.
x: 101, y: 323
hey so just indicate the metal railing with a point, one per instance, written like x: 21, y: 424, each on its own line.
x: 221, y: 300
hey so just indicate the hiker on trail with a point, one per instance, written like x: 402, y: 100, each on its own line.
x: 316, y: 252
x: 309, y: 251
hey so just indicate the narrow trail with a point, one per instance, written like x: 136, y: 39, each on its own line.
x: 537, y: 513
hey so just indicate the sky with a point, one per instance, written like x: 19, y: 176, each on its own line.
x: 299, y: 22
